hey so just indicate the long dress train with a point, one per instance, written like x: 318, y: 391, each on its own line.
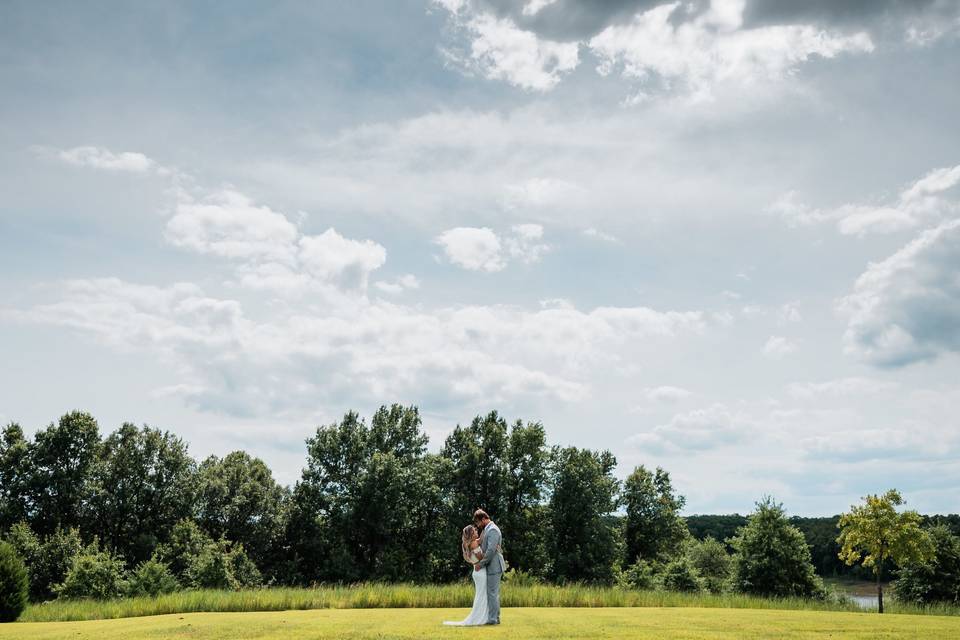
x: 478, y: 615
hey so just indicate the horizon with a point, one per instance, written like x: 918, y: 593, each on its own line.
x: 721, y: 237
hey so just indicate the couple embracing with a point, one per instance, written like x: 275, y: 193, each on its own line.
x: 481, y: 548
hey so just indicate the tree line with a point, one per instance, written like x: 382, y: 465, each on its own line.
x: 133, y: 512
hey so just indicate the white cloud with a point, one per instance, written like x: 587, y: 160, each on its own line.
x: 593, y: 232
x: 907, y: 308
x: 500, y: 50
x: 541, y: 192
x: 713, y: 48
x: 778, y: 347
x: 104, y: 159
x: 921, y: 201
x: 331, y: 257
x: 701, y: 429
x: 275, y: 255
x: 789, y: 313
x: 666, y: 393
x: 227, y: 223
x: 533, y: 7
x: 480, y: 249
x: 902, y: 443
x: 840, y: 388
x: 291, y: 358
x: 403, y: 283
x: 526, y: 243
x: 474, y: 249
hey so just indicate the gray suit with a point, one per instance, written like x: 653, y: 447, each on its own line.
x: 495, y: 566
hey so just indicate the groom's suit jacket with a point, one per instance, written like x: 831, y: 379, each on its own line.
x: 492, y: 558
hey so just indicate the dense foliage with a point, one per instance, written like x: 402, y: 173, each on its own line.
x: 938, y: 578
x: 133, y: 514
x: 772, y: 558
x: 875, y: 533
x: 13, y: 584
x: 654, y: 528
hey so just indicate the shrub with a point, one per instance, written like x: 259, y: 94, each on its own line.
x: 187, y: 541
x: 937, y: 580
x: 47, y: 560
x: 94, y: 574
x: 772, y: 557
x: 14, y: 585
x: 211, y: 570
x: 712, y: 562
x: 244, y: 569
x: 520, y: 578
x: 681, y: 575
x: 152, y: 578
x: 641, y: 575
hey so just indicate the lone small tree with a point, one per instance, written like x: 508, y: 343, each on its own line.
x: 876, y: 532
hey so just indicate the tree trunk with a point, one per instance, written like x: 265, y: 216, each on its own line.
x: 879, y: 592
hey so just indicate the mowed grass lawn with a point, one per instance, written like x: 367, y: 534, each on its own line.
x: 518, y: 624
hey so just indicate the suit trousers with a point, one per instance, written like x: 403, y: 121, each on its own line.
x: 493, y: 596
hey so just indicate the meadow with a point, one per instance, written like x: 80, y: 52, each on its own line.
x: 518, y: 624
x: 405, y: 596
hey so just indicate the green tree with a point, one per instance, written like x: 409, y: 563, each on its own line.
x: 211, y: 569
x: 187, y: 541
x: 584, y: 545
x: 355, y: 511
x: 875, y: 532
x: 481, y: 476
x: 151, y: 578
x: 140, y: 486
x: 238, y: 498
x: 937, y: 579
x: 94, y: 574
x: 48, y: 559
x: 680, y: 575
x: 712, y: 562
x: 721, y: 527
x: 14, y: 477
x: 772, y: 557
x: 59, y: 462
x: 13, y: 584
x: 526, y: 517
x: 654, y: 528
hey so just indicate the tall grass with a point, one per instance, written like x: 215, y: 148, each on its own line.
x: 368, y: 596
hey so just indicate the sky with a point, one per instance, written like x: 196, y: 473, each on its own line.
x: 719, y: 236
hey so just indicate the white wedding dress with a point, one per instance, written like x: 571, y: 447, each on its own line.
x: 479, y: 613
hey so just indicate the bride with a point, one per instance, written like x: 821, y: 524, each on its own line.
x: 470, y: 545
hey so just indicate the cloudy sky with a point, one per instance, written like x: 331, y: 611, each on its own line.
x: 718, y: 236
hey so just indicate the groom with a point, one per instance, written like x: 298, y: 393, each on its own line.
x: 492, y: 562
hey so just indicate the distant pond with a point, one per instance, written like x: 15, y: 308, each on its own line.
x: 865, y: 602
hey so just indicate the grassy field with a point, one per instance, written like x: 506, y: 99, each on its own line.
x: 518, y: 624
x: 399, y: 596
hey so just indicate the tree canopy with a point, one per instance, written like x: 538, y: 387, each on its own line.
x: 875, y: 533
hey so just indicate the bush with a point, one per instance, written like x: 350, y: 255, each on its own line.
x: 641, y: 575
x: 244, y: 569
x: 712, y: 562
x: 211, y: 570
x: 14, y: 585
x: 94, y: 574
x: 47, y: 560
x: 937, y: 580
x: 681, y: 575
x: 187, y: 541
x: 772, y: 557
x: 520, y: 578
x: 152, y: 578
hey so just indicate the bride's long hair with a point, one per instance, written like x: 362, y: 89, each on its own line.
x: 469, y: 534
